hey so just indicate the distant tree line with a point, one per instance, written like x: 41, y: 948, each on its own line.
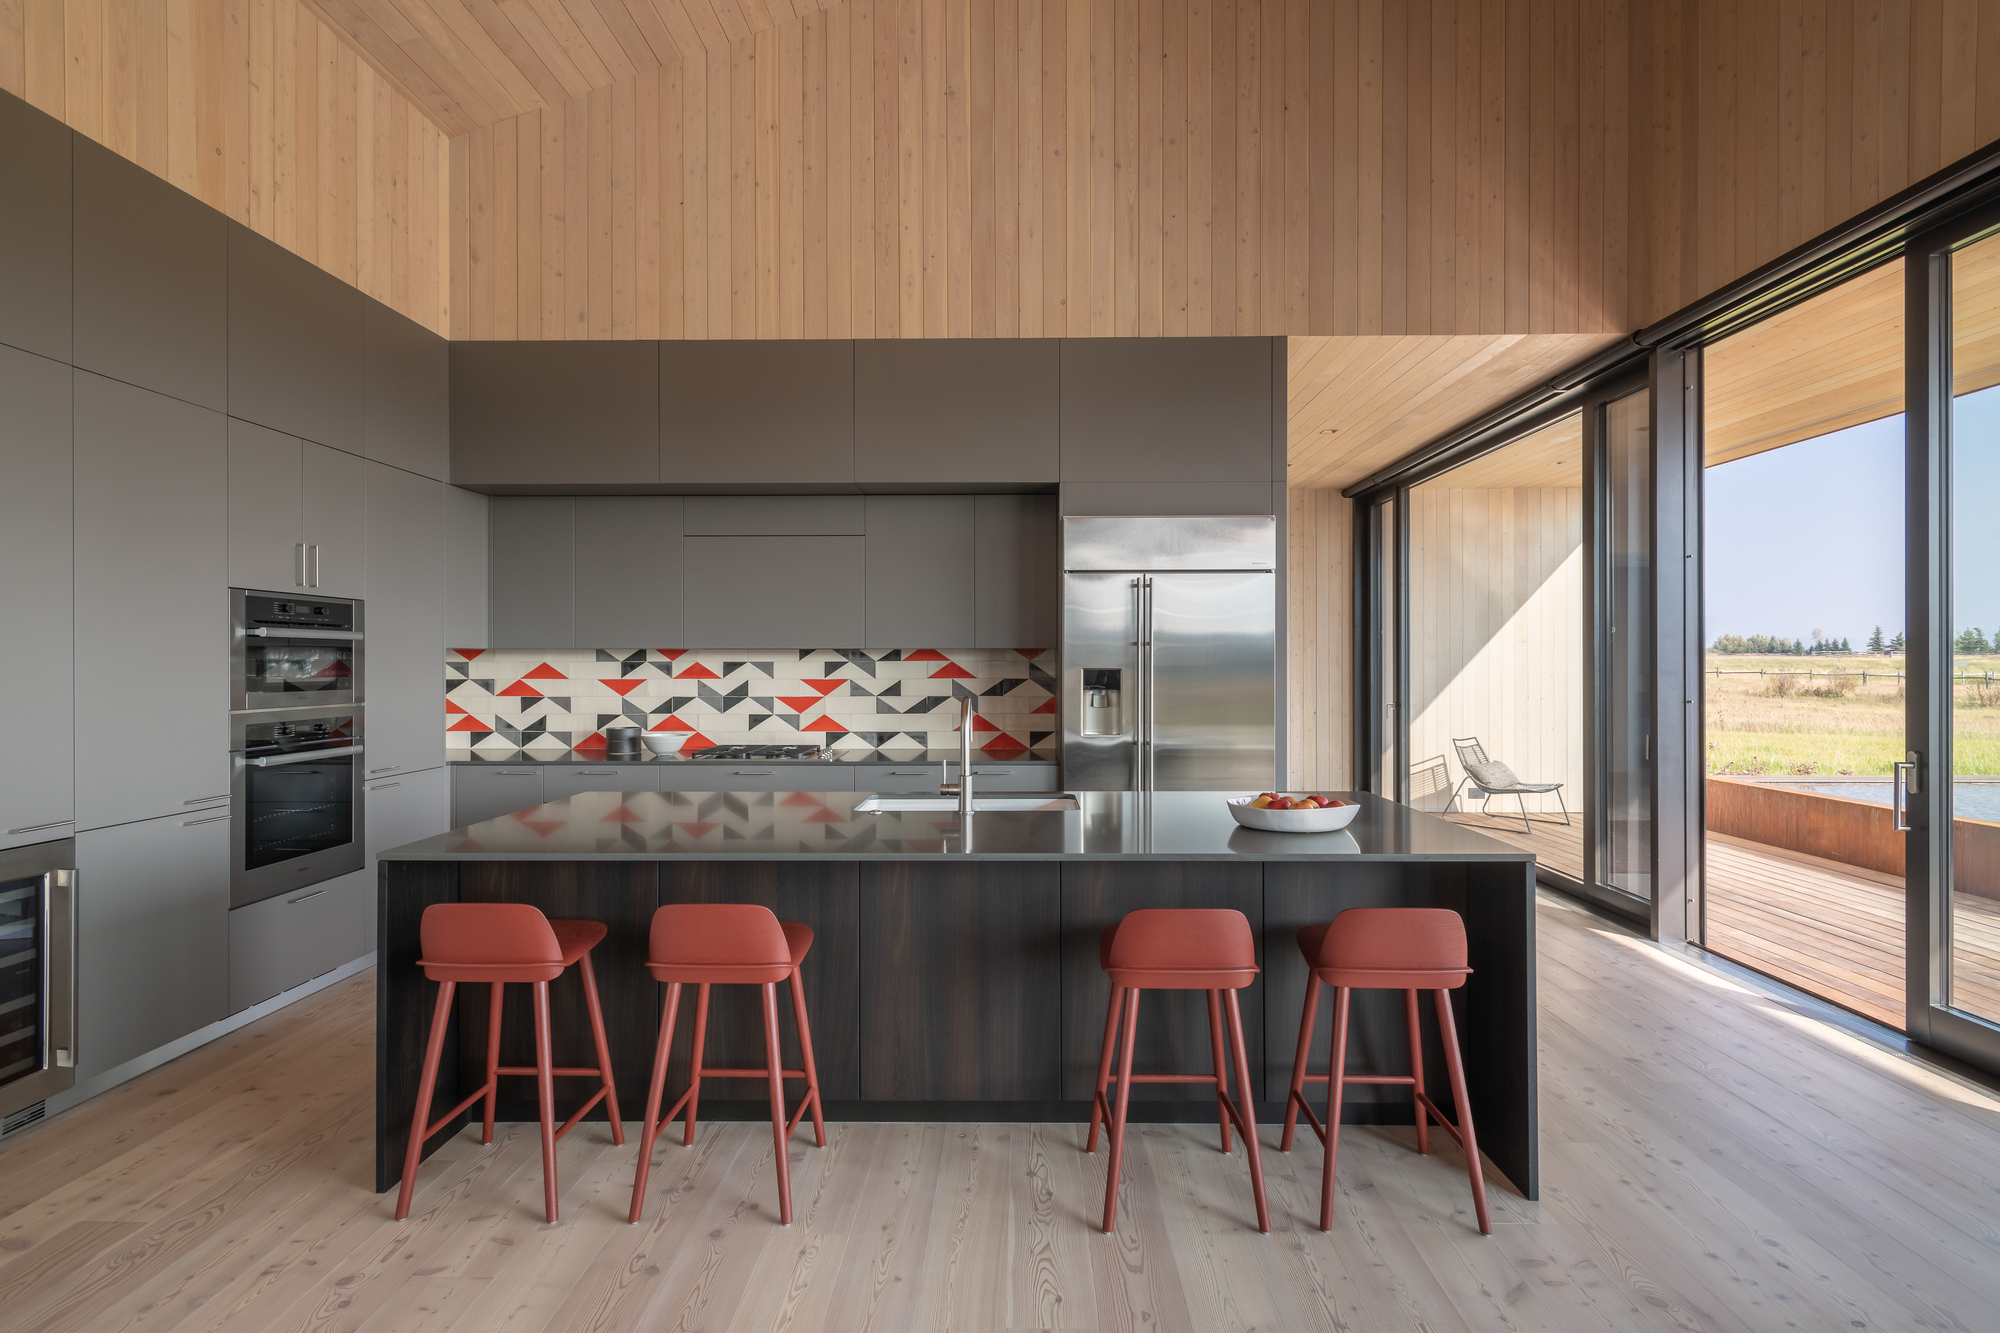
x: 1775, y: 646
x: 1975, y: 641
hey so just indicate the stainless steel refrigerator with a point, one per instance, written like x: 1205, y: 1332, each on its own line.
x: 1169, y: 653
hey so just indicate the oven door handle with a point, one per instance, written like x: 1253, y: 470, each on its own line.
x: 339, y: 635
x: 303, y: 757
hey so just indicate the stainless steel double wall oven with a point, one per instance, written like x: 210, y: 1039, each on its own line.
x: 296, y: 736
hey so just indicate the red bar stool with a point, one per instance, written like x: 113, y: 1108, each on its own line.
x: 498, y: 943
x: 1385, y: 948
x: 722, y: 944
x: 1177, y: 948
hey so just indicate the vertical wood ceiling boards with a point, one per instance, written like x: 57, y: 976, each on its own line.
x: 259, y: 110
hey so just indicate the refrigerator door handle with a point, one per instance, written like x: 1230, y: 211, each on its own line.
x: 1146, y: 673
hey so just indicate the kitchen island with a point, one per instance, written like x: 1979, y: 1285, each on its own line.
x: 954, y: 972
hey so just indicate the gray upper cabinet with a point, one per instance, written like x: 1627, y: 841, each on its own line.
x: 405, y: 628
x: 37, y: 780
x: 1016, y: 601
x: 555, y: 415
x: 956, y: 411
x: 467, y: 553
x: 152, y: 291
x: 151, y: 595
x: 406, y: 398
x: 533, y: 579
x: 776, y: 516
x: 739, y: 414
x: 336, y: 525
x: 775, y: 592
x: 920, y: 571
x: 295, y: 349
x: 34, y: 230
x: 1167, y: 410
x: 628, y: 572
x: 296, y: 514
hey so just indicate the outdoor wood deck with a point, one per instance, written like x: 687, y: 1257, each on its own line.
x: 1821, y: 927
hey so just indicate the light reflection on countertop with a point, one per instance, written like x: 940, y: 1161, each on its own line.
x: 653, y: 825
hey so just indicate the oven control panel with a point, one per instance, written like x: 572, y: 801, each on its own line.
x: 298, y: 613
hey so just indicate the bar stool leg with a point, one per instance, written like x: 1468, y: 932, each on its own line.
x: 694, y: 1063
x: 1448, y: 1029
x: 603, y: 1048
x: 772, y: 1058
x: 1336, y: 1087
x: 806, y: 1051
x: 1118, y: 1113
x: 426, y: 1089
x: 1098, y: 1105
x: 545, y: 1088
x: 1417, y: 1073
x: 1248, y: 1111
x: 1220, y: 1063
x: 1296, y: 1098
x: 649, y: 1130
x: 492, y: 1059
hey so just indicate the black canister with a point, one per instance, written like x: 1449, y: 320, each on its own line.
x: 621, y: 742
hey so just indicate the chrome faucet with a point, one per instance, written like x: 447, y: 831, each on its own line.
x: 967, y: 706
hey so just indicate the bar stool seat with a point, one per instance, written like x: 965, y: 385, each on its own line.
x: 1385, y: 948
x: 1170, y: 948
x: 724, y: 944
x: 497, y: 944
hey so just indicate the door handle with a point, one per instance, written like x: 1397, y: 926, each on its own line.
x: 298, y: 564
x: 293, y: 902
x: 1908, y: 780
x: 304, y: 757
x: 64, y: 881
x: 314, y: 582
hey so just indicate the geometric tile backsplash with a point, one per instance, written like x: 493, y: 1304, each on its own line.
x: 502, y: 702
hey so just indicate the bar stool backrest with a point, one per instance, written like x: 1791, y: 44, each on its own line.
x: 489, y: 942
x: 1397, y: 939
x: 1183, y: 939
x: 743, y: 938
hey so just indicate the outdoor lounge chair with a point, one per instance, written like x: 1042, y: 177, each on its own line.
x: 1431, y: 787
x: 1488, y: 778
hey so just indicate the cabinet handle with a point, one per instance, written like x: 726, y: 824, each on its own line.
x: 910, y: 773
x: 190, y: 823
x: 299, y: 562
x: 314, y: 583
x: 753, y: 773
x: 598, y: 772
x: 518, y: 772
x: 302, y: 897
x: 37, y: 828
x: 992, y: 772
x: 204, y: 800
x: 389, y: 769
x: 385, y: 786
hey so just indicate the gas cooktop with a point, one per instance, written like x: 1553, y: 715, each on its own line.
x: 760, y: 752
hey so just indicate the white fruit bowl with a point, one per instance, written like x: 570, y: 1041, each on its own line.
x: 664, y: 742
x: 1291, y: 821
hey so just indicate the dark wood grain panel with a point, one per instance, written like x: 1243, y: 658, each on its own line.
x: 961, y: 982
x: 1173, y: 1025
x: 1497, y: 1019
x: 621, y: 894
x: 403, y: 1001
x: 823, y: 895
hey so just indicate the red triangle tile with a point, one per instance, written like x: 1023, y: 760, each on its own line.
x: 823, y: 817
x: 451, y: 707
x: 594, y: 743
x: 695, y: 741
x: 671, y: 654
x: 1003, y: 747
x: 951, y: 671
x: 468, y: 723
x: 544, y: 672
x: 520, y: 689
x: 670, y: 723
x: 621, y: 687
x: 697, y: 672
x: 1045, y: 706
x: 925, y: 655
x: 697, y: 831
x: 824, y: 687
x: 801, y: 798
x: 979, y: 723
x: 798, y: 703
x: 821, y: 724
x: 623, y: 815
x: 468, y: 653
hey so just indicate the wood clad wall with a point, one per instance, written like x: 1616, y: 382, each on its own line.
x: 1319, y: 640
x: 260, y: 110
x: 1496, y: 629
x: 1033, y: 168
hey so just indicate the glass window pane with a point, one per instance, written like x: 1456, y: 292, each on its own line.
x: 1496, y: 641
x: 1385, y: 649
x: 1627, y: 687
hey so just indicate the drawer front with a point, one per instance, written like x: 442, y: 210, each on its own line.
x: 758, y: 777
x: 479, y: 794
x: 288, y: 940
x: 898, y: 777
x: 1012, y: 777
x: 558, y: 781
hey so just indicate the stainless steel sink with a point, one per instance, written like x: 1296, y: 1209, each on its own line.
x: 980, y: 804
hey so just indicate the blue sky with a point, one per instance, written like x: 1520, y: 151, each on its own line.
x: 1811, y: 535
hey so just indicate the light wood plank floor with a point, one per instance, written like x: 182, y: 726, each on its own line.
x: 1555, y: 844
x: 1713, y: 1160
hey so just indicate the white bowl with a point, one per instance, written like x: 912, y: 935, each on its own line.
x: 1291, y: 821
x: 663, y: 742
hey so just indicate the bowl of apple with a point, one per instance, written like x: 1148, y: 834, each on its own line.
x: 1278, y: 813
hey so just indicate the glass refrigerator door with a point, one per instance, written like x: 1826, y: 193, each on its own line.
x: 23, y: 965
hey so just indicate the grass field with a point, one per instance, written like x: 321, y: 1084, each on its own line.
x: 1765, y: 716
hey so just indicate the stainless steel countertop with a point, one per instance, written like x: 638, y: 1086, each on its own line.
x: 704, y: 826
x: 598, y: 759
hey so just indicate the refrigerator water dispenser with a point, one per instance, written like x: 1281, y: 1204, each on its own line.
x: 1102, y: 714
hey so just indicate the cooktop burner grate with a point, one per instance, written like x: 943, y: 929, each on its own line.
x: 760, y: 752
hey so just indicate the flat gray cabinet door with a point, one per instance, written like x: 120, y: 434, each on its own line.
x: 758, y: 777
x: 288, y: 940
x: 560, y: 780
x: 956, y: 411
x: 740, y: 412
x: 1010, y: 777
x: 295, y: 352
x: 37, y: 770
x: 920, y: 571
x: 151, y: 280
x: 266, y: 508
x: 555, y: 414
x: 1018, y: 584
x: 926, y: 778
x: 336, y: 523
x: 628, y: 572
x: 532, y: 585
x: 151, y: 596
x: 403, y: 658
x: 775, y: 592
x: 406, y: 395
x: 34, y: 230
x: 152, y: 904
x: 480, y: 793
x: 467, y: 568
x: 1167, y: 409
x: 403, y: 807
